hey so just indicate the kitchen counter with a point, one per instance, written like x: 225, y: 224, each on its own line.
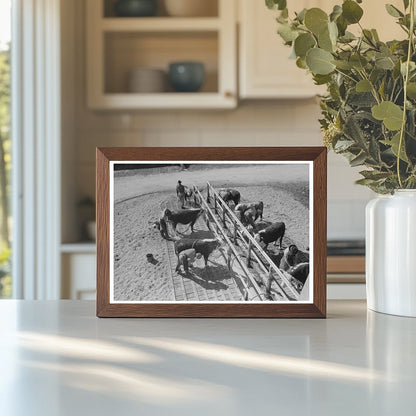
x: 57, y: 358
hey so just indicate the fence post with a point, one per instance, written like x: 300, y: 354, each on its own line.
x: 207, y: 220
x: 195, y: 204
x: 229, y: 258
x: 269, y: 281
x: 208, y: 196
x: 223, y: 218
x: 215, y: 204
x: 248, y: 253
x: 235, y: 232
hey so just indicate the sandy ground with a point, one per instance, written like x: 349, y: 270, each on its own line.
x: 140, y: 195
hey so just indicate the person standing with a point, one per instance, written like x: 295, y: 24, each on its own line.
x: 181, y: 194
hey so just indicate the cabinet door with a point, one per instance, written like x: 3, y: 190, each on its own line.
x: 265, y: 68
x: 78, y: 276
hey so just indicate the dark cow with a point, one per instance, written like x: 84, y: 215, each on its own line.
x: 271, y: 234
x: 203, y: 246
x: 229, y: 195
x: 183, y: 216
x: 299, y: 274
x: 249, y: 213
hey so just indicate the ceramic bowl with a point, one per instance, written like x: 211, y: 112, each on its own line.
x: 147, y: 80
x: 135, y: 8
x: 191, y: 8
x: 186, y: 76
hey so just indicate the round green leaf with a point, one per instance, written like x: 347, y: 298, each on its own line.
x: 393, y: 11
x: 351, y: 11
x: 328, y: 38
x: 411, y: 90
x: 301, y: 63
x: 276, y: 4
x: 358, y: 61
x: 391, y: 114
x: 287, y: 33
x: 303, y: 43
x: 344, y: 65
x: 363, y: 86
x: 336, y: 12
x: 384, y: 62
x: 324, y: 41
x: 316, y: 20
x: 319, y: 61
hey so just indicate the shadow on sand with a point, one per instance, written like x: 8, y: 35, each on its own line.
x: 209, y: 277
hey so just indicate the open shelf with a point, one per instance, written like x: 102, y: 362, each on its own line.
x: 167, y: 100
x: 85, y: 247
x: 119, y: 45
x: 126, y: 51
x: 160, y: 24
x: 210, y: 10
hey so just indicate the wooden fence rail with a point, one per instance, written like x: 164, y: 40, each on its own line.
x: 266, y: 263
x: 250, y: 284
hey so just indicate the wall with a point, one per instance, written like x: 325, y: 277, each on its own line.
x: 254, y: 123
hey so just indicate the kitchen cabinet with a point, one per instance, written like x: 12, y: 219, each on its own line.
x: 78, y: 262
x: 265, y: 70
x: 118, y: 45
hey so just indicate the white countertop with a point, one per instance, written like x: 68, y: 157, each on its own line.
x: 57, y: 358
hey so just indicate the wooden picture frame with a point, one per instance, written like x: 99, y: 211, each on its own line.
x: 282, y: 157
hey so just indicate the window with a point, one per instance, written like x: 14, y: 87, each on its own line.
x: 5, y: 147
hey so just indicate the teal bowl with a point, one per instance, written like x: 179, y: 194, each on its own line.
x: 135, y: 8
x: 186, y: 76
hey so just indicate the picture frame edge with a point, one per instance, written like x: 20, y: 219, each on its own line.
x: 104, y: 309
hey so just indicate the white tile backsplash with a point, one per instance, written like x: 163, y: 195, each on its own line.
x: 346, y: 219
x: 258, y: 123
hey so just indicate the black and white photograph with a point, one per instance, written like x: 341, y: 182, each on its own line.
x: 211, y: 232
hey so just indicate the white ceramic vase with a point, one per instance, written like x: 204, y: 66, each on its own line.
x: 391, y: 253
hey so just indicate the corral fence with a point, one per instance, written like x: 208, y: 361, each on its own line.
x: 252, y: 248
x: 251, y: 290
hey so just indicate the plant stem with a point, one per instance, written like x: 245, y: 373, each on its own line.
x: 406, y: 79
x: 346, y: 75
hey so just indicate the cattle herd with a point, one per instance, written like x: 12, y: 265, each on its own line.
x: 250, y: 214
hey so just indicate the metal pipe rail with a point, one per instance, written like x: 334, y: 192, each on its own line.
x: 252, y: 241
x: 247, y: 272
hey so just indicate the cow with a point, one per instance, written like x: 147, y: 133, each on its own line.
x: 229, y: 195
x: 183, y: 216
x: 249, y: 213
x: 299, y: 274
x: 204, y: 246
x: 271, y: 234
x: 289, y: 257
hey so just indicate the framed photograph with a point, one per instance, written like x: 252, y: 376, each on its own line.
x: 211, y: 232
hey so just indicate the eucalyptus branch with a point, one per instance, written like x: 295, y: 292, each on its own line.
x: 346, y: 75
x: 373, y: 88
x: 406, y: 79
